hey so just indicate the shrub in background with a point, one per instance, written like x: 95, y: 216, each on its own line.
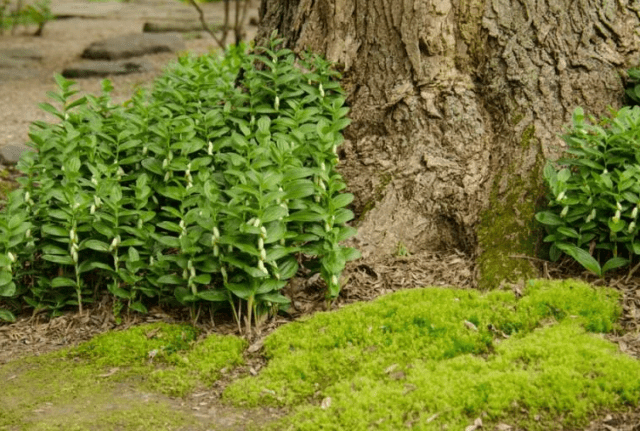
x: 595, y: 192
x: 210, y: 189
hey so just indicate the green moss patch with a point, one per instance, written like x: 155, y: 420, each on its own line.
x: 115, y: 380
x: 433, y: 357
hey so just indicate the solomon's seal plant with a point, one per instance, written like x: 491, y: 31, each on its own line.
x: 210, y: 189
x: 595, y: 193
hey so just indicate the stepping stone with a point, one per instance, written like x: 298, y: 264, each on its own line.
x: 21, y: 54
x: 85, y: 10
x: 10, y: 154
x: 176, y: 26
x: 89, y: 69
x: 18, y: 58
x: 133, y: 45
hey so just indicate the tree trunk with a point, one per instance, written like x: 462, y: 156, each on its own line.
x: 456, y: 105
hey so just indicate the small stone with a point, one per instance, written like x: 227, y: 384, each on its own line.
x: 133, y: 45
x: 10, y: 154
x: 87, y: 69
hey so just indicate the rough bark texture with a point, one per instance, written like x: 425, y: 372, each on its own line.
x: 455, y: 106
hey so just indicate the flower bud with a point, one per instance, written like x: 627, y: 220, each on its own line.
x: 74, y: 256
x: 564, y: 212
x: 632, y: 226
x: 261, y: 267
x: 592, y: 215
x: 145, y: 149
x: 140, y: 223
x: 182, y: 225
x: 263, y: 232
x: 92, y: 210
x: 276, y: 105
x: 260, y: 243
x: 193, y: 272
x: 560, y: 196
x: 216, y: 232
x: 170, y: 155
x: 256, y: 222
x: 185, y: 274
x: 327, y: 228
x: 263, y: 254
x: 27, y: 195
x: 27, y: 234
x: 151, y: 261
x: 618, y: 206
x: 334, y: 280
x: 216, y: 250
x: 189, y: 264
x: 210, y: 149
x: 321, y: 90
x: 12, y: 257
x: 634, y: 213
x: 167, y: 176
x: 165, y: 163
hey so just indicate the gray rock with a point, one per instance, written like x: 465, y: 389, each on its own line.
x: 85, y: 10
x: 88, y: 69
x: 21, y: 54
x: 10, y: 154
x: 133, y: 45
x: 18, y: 58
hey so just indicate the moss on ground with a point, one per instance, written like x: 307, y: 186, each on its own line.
x: 434, y: 357
x: 423, y: 358
x: 111, y: 381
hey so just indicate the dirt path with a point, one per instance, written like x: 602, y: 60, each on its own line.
x: 21, y: 89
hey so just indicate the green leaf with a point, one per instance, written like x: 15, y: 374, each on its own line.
x: 613, y: 263
x: 582, y: 257
x: 343, y: 215
x: 139, y: 307
x: 299, y: 189
x: 50, y: 229
x: 62, y: 260
x: 213, y: 295
x: 62, y: 282
x: 5, y: 278
x: 7, y: 316
x: 305, y: 216
x: 171, y: 279
x: 273, y: 297
x: 94, y: 244
x: 570, y: 232
x: 548, y: 218
x: 202, y: 279
x: 616, y: 226
x: 134, y: 256
x: 350, y: 253
x: 342, y: 200
x: 88, y: 265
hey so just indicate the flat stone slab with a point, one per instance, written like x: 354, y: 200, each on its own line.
x: 10, y: 154
x: 85, y: 10
x: 133, y: 45
x: 91, y: 69
x: 21, y: 53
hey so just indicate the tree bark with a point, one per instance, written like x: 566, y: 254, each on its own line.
x: 456, y: 105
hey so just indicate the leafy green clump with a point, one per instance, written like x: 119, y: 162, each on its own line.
x: 209, y: 189
x: 441, y: 357
x: 595, y: 192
